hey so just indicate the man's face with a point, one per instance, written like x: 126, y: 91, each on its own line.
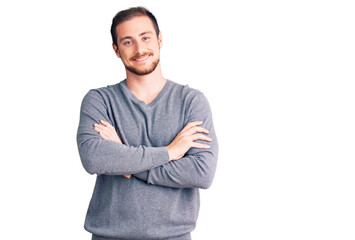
x: 138, y: 45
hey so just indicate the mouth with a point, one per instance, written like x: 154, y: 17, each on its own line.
x: 142, y: 58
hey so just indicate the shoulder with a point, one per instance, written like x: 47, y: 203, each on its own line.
x: 185, y: 91
x: 104, y: 93
x: 192, y: 99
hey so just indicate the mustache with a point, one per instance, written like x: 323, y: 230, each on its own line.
x: 138, y: 55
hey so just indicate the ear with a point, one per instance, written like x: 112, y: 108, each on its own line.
x: 160, y: 39
x: 115, y: 48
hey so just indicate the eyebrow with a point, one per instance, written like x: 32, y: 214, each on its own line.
x: 129, y: 37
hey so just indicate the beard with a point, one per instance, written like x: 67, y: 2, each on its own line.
x: 141, y: 70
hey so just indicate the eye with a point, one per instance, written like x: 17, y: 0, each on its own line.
x: 146, y: 38
x: 127, y: 43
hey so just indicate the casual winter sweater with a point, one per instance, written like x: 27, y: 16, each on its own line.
x: 161, y: 199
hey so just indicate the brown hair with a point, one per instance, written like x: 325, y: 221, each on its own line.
x: 128, y: 14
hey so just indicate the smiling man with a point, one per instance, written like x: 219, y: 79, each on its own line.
x: 150, y: 141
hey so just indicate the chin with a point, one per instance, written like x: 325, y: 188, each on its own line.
x: 143, y: 71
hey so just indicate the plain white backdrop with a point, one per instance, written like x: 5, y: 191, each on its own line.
x: 279, y: 76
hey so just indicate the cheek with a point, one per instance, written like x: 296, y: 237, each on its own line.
x: 125, y: 56
x: 156, y: 49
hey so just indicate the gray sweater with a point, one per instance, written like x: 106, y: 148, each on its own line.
x: 161, y: 199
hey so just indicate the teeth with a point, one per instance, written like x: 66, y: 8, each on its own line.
x: 141, y: 59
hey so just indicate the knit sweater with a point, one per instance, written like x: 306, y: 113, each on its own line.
x: 161, y: 199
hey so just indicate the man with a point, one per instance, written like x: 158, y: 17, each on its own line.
x: 150, y: 141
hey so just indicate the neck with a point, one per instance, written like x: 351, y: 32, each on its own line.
x: 146, y: 87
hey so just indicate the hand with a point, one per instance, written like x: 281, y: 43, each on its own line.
x: 185, y: 140
x: 108, y: 132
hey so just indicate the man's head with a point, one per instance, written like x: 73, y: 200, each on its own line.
x: 136, y: 40
x: 128, y: 14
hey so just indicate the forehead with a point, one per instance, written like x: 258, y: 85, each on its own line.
x: 134, y: 26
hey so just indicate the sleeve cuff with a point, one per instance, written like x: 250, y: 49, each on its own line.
x: 159, y: 156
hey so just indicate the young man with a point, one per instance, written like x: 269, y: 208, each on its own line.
x: 150, y: 141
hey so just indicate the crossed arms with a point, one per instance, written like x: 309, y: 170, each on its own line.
x: 176, y: 149
x: 187, y: 162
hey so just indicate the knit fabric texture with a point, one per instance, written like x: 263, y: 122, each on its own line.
x: 161, y: 199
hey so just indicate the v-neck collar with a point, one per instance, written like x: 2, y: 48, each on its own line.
x: 140, y: 102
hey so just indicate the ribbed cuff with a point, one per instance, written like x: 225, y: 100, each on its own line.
x: 158, y: 156
x: 142, y: 175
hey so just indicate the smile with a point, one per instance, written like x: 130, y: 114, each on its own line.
x: 143, y: 58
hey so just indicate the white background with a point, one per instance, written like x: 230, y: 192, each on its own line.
x: 279, y: 76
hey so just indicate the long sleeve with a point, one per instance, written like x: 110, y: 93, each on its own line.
x: 197, y: 168
x: 100, y: 156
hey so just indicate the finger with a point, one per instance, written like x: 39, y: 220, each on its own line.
x: 106, y: 124
x: 107, y: 134
x: 127, y: 176
x: 99, y: 126
x: 103, y: 122
x: 200, y: 145
x: 97, y: 129
x: 194, y: 130
x: 201, y: 137
x: 190, y: 125
x: 102, y: 130
x: 104, y: 136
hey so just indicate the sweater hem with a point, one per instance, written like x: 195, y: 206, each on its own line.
x: 182, y: 237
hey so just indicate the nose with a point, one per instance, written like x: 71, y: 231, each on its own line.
x: 139, y: 47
